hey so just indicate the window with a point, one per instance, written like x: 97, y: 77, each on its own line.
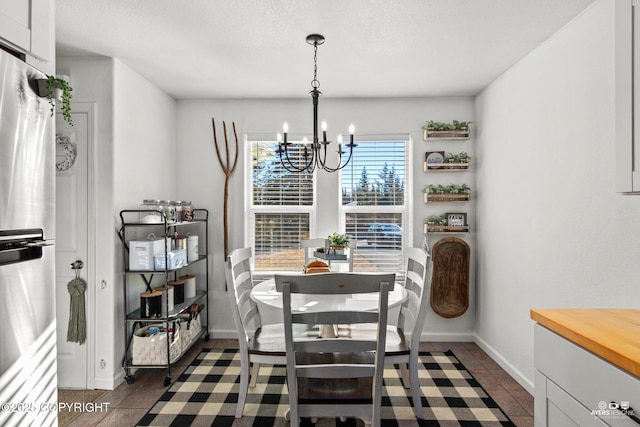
x: 374, y: 204
x: 374, y: 207
x: 281, y: 210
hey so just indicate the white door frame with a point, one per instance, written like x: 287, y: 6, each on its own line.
x: 89, y: 108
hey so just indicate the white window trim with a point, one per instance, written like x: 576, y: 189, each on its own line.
x: 406, y: 210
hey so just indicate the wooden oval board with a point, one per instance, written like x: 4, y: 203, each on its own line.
x: 450, y: 282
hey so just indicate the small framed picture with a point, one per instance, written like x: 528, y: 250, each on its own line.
x: 456, y: 219
x: 434, y: 157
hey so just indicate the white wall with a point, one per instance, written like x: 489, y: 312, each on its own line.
x: 552, y: 232
x: 144, y: 146
x: 135, y: 153
x: 203, y: 184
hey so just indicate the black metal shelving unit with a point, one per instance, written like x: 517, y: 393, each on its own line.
x: 133, y: 318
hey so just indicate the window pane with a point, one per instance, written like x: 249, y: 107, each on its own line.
x: 376, y: 240
x: 273, y: 185
x: 376, y: 175
x: 277, y: 240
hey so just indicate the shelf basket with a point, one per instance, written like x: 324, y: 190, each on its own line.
x: 446, y: 228
x: 445, y: 134
x: 446, y: 198
x: 447, y: 167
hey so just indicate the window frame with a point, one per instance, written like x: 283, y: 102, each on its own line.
x: 251, y: 209
x: 406, y: 210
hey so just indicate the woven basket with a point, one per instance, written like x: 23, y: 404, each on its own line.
x: 152, y: 350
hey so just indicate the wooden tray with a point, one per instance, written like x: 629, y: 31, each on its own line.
x: 450, y: 282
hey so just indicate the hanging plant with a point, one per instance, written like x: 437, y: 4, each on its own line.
x: 57, y: 89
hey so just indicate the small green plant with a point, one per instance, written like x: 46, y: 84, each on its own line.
x: 461, y: 157
x: 447, y: 189
x: 337, y: 239
x: 436, y: 220
x: 58, y: 83
x: 441, y: 126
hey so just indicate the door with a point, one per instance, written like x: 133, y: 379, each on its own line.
x: 72, y: 243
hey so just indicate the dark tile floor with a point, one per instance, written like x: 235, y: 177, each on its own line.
x: 129, y: 403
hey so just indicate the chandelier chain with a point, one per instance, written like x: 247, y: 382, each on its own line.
x: 315, y: 83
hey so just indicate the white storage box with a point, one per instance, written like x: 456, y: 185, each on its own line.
x: 142, y: 253
x: 175, y: 259
x: 152, y: 349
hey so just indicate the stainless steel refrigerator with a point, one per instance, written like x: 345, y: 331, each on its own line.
x: 27, y: 277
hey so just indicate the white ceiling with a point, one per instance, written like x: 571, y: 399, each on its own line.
x: 203, y: 49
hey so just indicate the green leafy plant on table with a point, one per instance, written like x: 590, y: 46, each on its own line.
x: 339, y: 240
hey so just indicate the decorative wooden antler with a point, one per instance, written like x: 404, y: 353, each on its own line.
x: 228, y: 170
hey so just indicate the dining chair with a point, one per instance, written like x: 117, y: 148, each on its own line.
x: 309, y: 246
x: 258, y: 343
x: 403, y: 340
x: 335, y: 377
x: 403, y: 347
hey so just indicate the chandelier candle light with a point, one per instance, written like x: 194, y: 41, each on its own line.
x: 315, y: 154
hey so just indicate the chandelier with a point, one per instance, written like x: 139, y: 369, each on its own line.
x: 313, y: 154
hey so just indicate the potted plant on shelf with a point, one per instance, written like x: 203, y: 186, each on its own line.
x: 57, y: 89
x: 457, y: 161
x: 435, y: 220
x: 338, y: 242
x: 447, y: 193
x: 454, y: 130
x: 435, y: 223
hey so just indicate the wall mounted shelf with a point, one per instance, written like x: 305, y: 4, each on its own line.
x: 446, y: 167
x: 440, y: 135
x: 445, y: 229
x: 446, y: 198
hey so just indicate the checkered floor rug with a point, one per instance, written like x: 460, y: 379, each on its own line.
x: 207, y: 392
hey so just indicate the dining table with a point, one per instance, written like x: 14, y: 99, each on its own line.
x: 269, y: 302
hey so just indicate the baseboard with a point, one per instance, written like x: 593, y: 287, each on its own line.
x: 446, y: 337
x: 106, y: 384
x: 222, y: 334
x: 505, y: 364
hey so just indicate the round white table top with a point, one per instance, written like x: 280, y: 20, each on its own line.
x: 266, y: 295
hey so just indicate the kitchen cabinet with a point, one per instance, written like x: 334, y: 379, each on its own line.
x: 627, y: 95
x: 176, y: 322
x: 586, y: 367
x: 26, y: 26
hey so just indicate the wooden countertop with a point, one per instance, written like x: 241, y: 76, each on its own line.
x: 613, y: 334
